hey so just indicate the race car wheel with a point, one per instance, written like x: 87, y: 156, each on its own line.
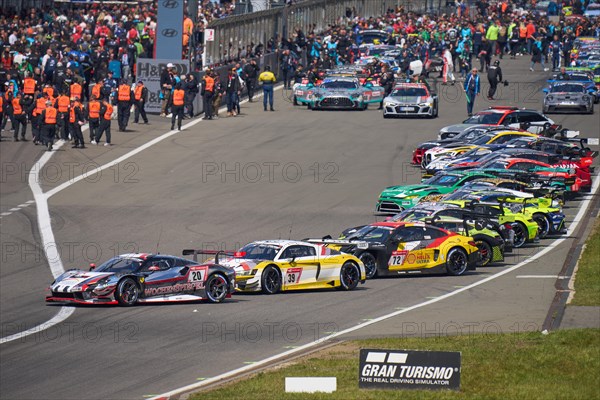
x: 127, y: 292
x: 436, y: 111
x: 520, y: 235
x: 349, y: 276
x: 486, y: 252
x: 543, y: 225
x: 216, y: 288
x: 295, y: 101
x: 271, y: 280
x: 456, y: 261
x: 385, y: 116
x: 370, y: 263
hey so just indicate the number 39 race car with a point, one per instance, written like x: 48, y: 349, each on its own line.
x: 144, y: 278
x: 270, y: 266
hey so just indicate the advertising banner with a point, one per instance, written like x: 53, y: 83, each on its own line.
x: 169, y: 29
x: 149, y: 70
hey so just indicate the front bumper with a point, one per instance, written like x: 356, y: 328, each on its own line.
x: 568, y: 107
x: 393, y: 206
x: 337, y: 103
x: 403, y: 110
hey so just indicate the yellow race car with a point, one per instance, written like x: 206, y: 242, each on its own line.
x: 271, y: 266
x: 398, y: 248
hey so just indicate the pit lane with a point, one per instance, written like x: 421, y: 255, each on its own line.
x: 293, y: 173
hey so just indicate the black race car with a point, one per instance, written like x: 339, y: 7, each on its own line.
x: 144, y: 278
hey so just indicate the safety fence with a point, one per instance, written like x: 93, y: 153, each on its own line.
x: 232, y: 34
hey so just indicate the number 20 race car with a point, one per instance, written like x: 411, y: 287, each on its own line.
x: 144, y: 278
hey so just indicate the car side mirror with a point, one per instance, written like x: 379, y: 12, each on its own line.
x: 184, y: 270
x: 292, y: 260
x: 92, y: 266
x: 545, y: 91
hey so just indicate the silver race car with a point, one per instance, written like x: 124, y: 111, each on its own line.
x: 411, y: 99
x: 566, y: 96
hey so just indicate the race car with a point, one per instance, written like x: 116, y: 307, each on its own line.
x: 512, y: 117
x: 489, y: 236
x: 271, y: 266
x: 395, y: 199
x: 129, y: 279
x: 340, y: 93
x: 585, y: 78
x: 396, y: 248
x: 411, y: 99
x: 568, y: 96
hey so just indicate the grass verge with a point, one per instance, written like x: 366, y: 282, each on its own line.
x: 587, y: 280
x: 561, y: 365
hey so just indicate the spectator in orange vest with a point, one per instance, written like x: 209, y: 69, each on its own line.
x: 76, y: 120
x: 62, y: 104
x: 177, y: 102
x: 106, y: 111
x: 140, y: 97
x: 124, y: 98
x: 49, y: 118
x: 19, y: 117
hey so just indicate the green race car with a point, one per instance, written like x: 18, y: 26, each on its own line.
x: 395, y: 199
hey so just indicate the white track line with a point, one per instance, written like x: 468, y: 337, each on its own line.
x: 45, y: 224
x: 278, y: 357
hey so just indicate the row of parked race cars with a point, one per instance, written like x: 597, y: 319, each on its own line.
x: 494, y: 183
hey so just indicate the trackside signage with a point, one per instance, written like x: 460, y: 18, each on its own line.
x: 409, y: 369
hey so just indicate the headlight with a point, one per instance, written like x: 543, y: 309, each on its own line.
x: 556, y: 203
x: 549, y: 98
x: 390, y: 104
x: 355, y: 95
x: 585, y: 98
x: 425, y: 105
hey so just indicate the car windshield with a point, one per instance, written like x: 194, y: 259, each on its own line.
x: 415, y: 215
x: 339, y: 85
x: 579, y: 77
x: 370, y: 37
x: 483, y: 139
x: 254, y: 251
x: 120, y: 264
x: 469, y: 134
x: 442, y: 179
x: 567, y: 89
x: 409, y: 92
x: 372, y: 233
x: 487, y: 118
x: 498, y: 164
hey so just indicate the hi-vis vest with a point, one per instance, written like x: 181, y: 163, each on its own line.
x: 29, y: 86
x: 124, y: 93
x: 76, y: 90
x: 72, y: 112
x: 96, y: 90
x: 63, y: 103
x: 178, y: 95
x: 51, y: 113
x: 209, y: 84
x: 94, y: 109
x: 17, y: 109
x: 138, y: 92
x: 108, y: 112
x: 49, y: 90
x: 40, y: 105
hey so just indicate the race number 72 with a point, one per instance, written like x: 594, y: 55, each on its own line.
x: 398, y: 257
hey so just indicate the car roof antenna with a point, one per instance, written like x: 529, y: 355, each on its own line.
x: 158, y: 241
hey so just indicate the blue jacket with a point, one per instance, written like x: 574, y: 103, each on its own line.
x: 468, y: 83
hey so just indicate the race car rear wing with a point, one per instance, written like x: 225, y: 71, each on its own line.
x: 216, y: 253
x: 340, y: 242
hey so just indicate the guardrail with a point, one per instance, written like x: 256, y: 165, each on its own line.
x: 236, y: 32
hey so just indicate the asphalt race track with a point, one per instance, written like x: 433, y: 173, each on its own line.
x: 293, y: 173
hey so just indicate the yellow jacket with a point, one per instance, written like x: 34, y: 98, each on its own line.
x: 267, y: 77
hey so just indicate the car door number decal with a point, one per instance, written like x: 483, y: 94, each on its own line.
x: 196, y: 276
x: 398, y: 257
x: 292, y: 275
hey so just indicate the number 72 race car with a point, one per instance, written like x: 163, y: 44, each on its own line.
x: 144, y: 278
x: 270, y: 266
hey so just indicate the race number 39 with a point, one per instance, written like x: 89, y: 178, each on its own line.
x: 292, y: 275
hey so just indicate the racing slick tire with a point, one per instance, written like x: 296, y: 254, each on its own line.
x: 437, y: 110
x: 370, y: 263
x: 521, y: 234
x: 456, y: 261
x: 591, y: 110
x: 270, y: 280
x: 295, y: 101
x: 216, y: 288
x: 543, y: 225
x: 486, y: 251
x: 127, y: 292
x: 349, y: 276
